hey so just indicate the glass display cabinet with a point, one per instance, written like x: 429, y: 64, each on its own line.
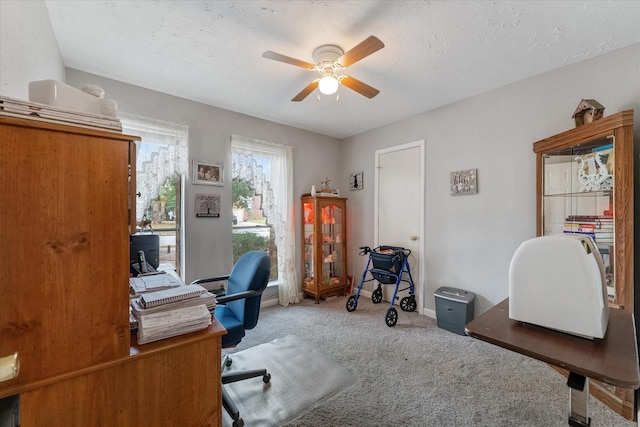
x: 584, y: 185
x: 324, y: 252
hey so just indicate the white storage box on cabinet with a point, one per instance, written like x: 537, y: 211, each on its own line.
x: 454, y: 308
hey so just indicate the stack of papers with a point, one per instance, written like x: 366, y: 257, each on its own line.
x: 165, y: 324
x: 171, y: 312
x: 206, y: 298
x: 47, y: 113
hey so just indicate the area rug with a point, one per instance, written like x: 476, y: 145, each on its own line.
x: 301, y: 377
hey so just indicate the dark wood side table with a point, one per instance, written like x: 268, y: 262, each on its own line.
x: 612, y: 360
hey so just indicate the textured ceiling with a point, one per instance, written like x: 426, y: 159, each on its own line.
x: 436, y: 52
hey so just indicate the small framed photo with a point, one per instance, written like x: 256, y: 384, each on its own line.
x: 355, y: 181
x: 207, y: 173
x: 349, y: 286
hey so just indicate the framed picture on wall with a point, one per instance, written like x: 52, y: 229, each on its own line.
x: 207, y: 173
x: 207, y: 206
x: 355, y: 181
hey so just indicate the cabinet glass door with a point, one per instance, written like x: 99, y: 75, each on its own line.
x: 578, y: 197
x: 331, y: 245
x: 308, y: 213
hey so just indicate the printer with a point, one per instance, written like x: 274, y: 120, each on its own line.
x: 558, y: 282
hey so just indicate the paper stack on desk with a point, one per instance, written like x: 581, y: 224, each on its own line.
x: 165, y: 324
x: 184, y: 296
x: 172, y: 312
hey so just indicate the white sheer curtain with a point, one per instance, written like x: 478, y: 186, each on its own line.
x: 165, y: 155
x: 276, y: 187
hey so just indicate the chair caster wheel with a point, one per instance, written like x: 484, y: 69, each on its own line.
x: 238, y: 423
x: 266, y: 378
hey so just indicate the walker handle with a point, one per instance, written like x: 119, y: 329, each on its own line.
x: 364, y: 250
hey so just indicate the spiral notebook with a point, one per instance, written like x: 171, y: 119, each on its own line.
x: 206, y: 298
x: 154, y: 299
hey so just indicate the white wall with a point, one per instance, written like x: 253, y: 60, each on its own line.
x: 470, y: 240
x: 28, y: 48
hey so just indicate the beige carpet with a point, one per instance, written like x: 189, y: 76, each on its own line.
x: 301, y: 377
x: 418, y: 375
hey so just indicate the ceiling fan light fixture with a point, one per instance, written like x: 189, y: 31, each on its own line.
x: 328, y: 85
x: 329, y: 60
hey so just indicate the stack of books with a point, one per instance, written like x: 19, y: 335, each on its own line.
x: 599, y: 228
x: 171, y: 312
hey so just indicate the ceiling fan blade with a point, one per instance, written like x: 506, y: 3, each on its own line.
x: 288, y: 60
x: 370, y: 45
x: 306, y: 91
x: 356, y: 85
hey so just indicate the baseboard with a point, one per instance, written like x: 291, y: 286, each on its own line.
x: 269, y: 303
x: 273, y: 301
x: 430, y: 313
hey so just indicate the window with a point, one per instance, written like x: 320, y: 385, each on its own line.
x: 262, y: 192
x: 161, y: 161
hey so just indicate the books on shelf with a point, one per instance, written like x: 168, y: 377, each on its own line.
x: 598, y: 227
x: 590, y: 227
x: 597, y: 237
x: 171, y: 323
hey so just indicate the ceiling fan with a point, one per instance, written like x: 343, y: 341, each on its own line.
x: 329, y: 60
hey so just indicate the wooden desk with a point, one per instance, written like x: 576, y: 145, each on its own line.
x: 612, y: 360
x: 175, y: 381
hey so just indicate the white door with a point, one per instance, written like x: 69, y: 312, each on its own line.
x: 399, y: 209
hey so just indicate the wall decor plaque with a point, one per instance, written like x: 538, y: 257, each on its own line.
x: 464, y: 182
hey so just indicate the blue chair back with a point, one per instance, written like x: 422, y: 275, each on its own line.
x: 250, y: 272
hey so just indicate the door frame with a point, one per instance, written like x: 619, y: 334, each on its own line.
x: 418, y: 282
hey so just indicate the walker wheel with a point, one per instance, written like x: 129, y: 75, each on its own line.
x: 376, y: 297
x: 408, y: 303
x: 352, y: 303
x: 392, y: 317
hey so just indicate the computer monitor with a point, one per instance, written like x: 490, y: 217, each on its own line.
x: 149, y: 244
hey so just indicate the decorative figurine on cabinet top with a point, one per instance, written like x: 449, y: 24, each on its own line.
x: 326, y: 190
x: 588, y: 111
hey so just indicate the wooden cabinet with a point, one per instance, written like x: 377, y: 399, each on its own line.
x: 585, y: 185
x: 324, y: 251
x: 64, y: 274
x: 65, y: 247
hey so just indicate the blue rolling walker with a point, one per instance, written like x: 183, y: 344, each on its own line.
x: 388, y: 265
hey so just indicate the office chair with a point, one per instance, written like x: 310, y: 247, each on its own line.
x: 237, y: 311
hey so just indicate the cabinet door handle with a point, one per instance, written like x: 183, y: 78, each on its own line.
x: 413, y: 237
x: 9, y: 367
